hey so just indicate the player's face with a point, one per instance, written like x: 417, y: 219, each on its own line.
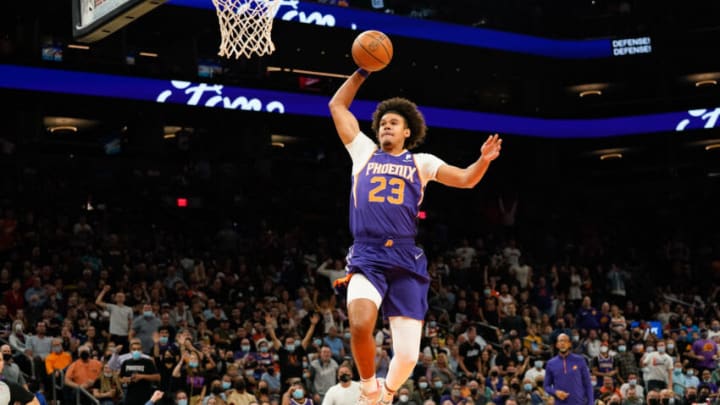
x: 392, y: 131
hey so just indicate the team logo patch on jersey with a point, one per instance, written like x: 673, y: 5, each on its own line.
x: 407, y: 157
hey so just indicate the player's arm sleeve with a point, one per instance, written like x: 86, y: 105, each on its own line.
x: 428, y: 166
x: 360, y: 150
x: 589, y: 394
x: 549, y: 382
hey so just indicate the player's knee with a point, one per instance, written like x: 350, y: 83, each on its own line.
x: 406, y: 357
x: 361, y: 327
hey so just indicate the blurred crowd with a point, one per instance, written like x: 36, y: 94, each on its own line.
x: 103, y: 306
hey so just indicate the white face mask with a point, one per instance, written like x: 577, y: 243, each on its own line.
x: 404, y: 398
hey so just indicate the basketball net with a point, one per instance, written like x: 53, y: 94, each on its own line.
x: 245, y: 27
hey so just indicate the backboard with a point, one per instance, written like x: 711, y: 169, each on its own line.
x: 95, y: 19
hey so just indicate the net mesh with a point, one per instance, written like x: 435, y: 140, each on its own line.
x: 245, y: 27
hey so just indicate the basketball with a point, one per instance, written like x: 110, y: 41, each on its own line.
x: 372, y: 50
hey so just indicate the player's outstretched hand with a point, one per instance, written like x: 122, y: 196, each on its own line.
x: 490, y: 150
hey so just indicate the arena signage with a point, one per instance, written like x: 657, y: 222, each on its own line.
x: 632, y: 46
x: 205, y: 95
x: 355, y: 19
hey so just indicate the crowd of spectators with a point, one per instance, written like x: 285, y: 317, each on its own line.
x: 115, y: 305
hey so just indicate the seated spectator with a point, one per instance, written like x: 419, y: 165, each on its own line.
x: 11, y: 372
x: 82, y: 373
x: 107, y: 389
x: 239, y: 395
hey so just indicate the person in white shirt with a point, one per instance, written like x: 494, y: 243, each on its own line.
x: 345, y: 392
x: 632, y: 382
x: 333, y: 269
x: 535, y: 372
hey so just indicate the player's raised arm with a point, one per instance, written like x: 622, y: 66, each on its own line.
x: 346, y: 124
x: 470, y: 176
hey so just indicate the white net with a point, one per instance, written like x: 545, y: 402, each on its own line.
x: 245, y: 27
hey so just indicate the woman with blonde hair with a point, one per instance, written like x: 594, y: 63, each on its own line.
x: 107, y: 388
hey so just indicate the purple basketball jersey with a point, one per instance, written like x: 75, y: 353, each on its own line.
x: 385, y: 197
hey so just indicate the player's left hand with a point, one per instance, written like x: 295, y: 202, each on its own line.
x: 490, y: 150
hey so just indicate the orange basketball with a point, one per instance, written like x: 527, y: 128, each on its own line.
x: 372, y: 50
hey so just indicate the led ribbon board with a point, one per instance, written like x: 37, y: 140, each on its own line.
x: 205, y: 95
x: 360, y: 20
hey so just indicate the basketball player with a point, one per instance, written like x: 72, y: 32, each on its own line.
x: 384, y: 264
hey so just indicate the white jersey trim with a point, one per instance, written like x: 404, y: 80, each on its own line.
x: 362, y: 147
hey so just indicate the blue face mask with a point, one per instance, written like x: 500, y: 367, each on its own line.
x: 538, y: 364
x: 136, y: 354
x: 163, y: 340
x: 193, y: 364
x: 290, y: 348
x: 438, y: 384
x: 318, y: 342
x: 298, y: 394
x: 147, y: 314
x: 182, y: 401
x: 527, y: 387
x: 225, y: 385
x: 347, y: 335
x: 264, y: 349
x: 622, y: 348
x: 245, y: 348
x: 422, y: 385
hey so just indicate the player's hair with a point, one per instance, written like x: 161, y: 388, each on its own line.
x: 414, y: 119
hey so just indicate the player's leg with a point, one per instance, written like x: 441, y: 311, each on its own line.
x: 363, y: 303
x: 405, y: 304
x: 406, y: 335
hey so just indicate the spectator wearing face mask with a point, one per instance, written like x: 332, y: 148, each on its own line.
x: 659, y: 366
x: 345, y: 392
x: 138, y: 374
x: 626, y: 362
x: 55, y: 363
x: 190, y: 376
x: 678, y: 385
x: 691, y: 380
x: 404, y: 397
x: 82, y: 373
x: 529, y: 394
x: 632, y: 383
x: 603, y: 365
x: 479, y: 393
x: 11, y: 372
x: 537, y: 371
x: 116, y: 359
x: 423, y: 391
x: 454, y: 396
x: 297, y: 395
x: 216, y: 392
x: 181, y: 397
x: 291, y: 354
